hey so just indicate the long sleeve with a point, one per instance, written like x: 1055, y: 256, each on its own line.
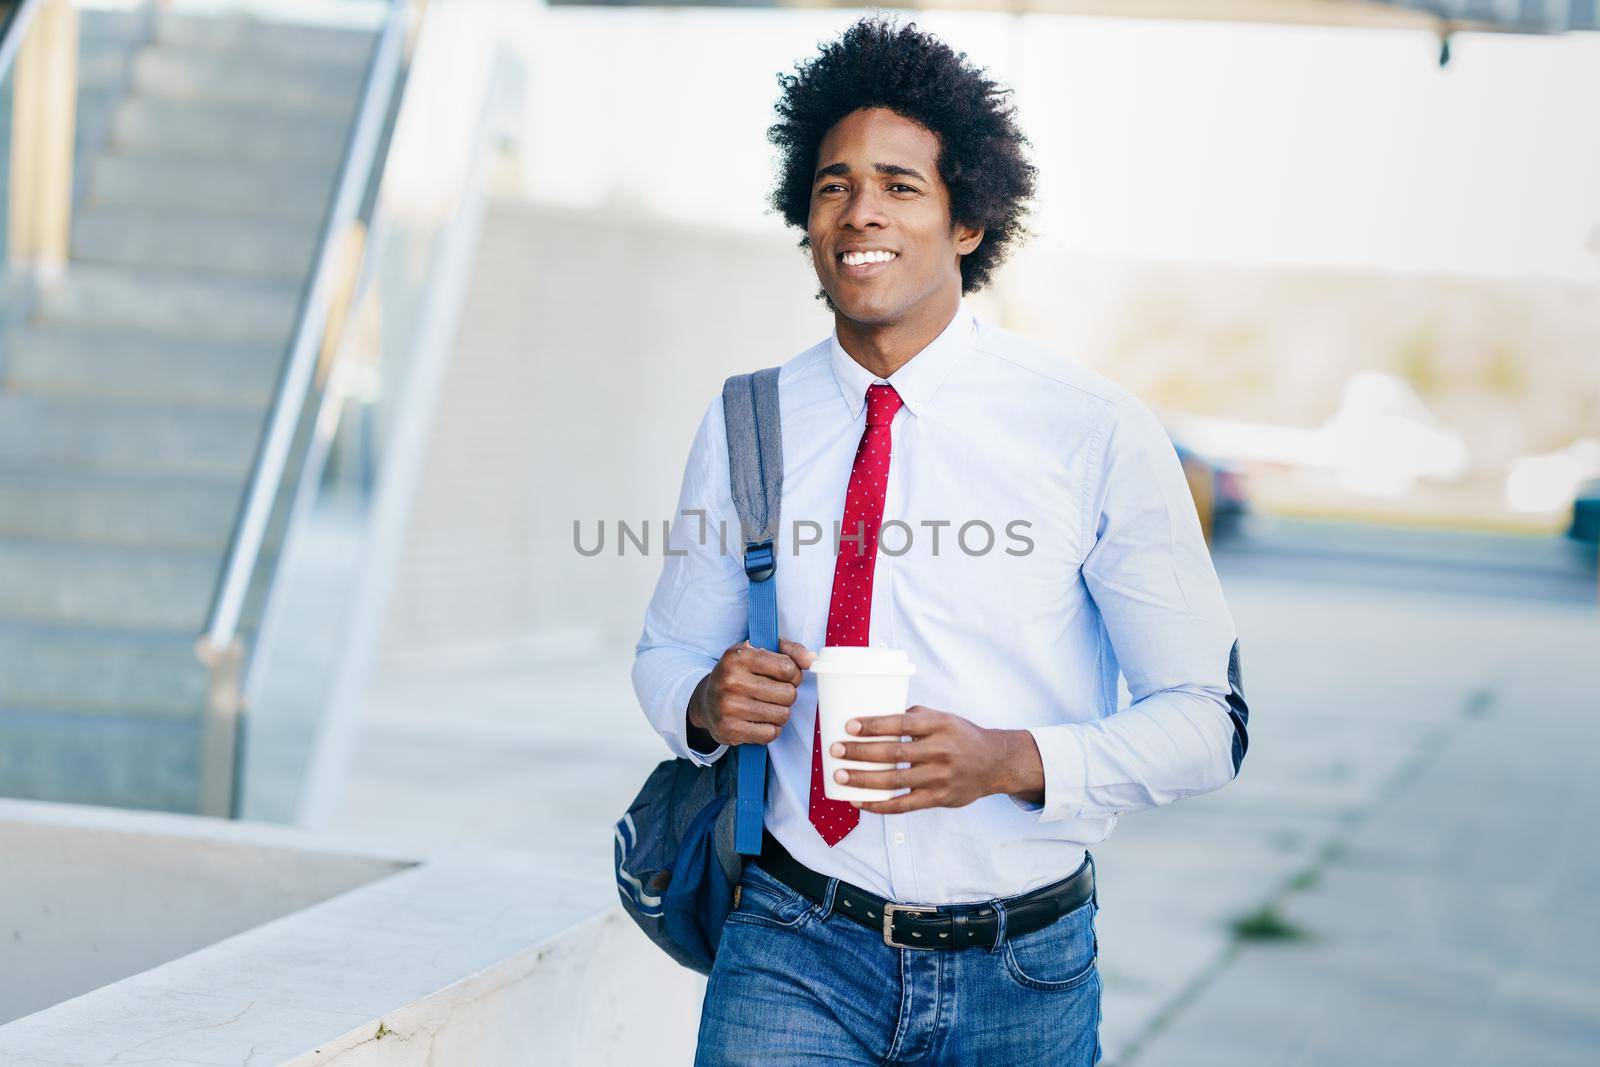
x: 1150, y: 575
x: 700, y: 606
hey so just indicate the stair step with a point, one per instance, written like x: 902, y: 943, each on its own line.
x: 88, y: 670
x: 174, y: 302
x: 208, y: 131
x: 128, y: 436
x: 103, y: 29
x: 133, y: 761
x: 106, y: 585
x: 56, y: 505
x: 123, y: 364
x: 95, y: 105
x: 141, y: 237
x: 243, y: 34
x: 289, y: 83
x: 295, y: 192
x: 100, y: 69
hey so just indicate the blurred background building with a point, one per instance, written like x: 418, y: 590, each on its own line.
x: 307, y: 305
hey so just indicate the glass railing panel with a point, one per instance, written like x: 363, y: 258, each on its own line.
x: 328, y: 601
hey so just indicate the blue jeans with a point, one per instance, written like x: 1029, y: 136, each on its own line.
x: 796, y: 984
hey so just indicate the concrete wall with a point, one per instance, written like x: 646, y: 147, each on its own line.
x: 589, y: 347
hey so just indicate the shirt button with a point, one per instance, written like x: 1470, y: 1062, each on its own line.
x: 899, y: 839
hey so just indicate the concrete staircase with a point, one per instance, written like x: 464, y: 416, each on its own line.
x: 133, y: 391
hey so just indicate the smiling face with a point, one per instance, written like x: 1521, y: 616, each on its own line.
x: 880, y: 231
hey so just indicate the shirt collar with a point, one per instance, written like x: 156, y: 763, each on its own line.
x: 919, y: 378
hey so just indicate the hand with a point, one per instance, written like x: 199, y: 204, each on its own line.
x: 953, y: 761
x: 746, y: 698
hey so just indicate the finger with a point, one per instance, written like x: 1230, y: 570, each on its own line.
x: 802, y: 656
x: 774, y: 665
x: 894, y: 778
x: 759, y: 711
x: 750, y: 733
x: 913, y: 722
x: 766, y: 690
x: 912, y: 801
x: 880, y: 751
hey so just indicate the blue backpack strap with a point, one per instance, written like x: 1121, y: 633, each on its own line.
x: 755, y: 472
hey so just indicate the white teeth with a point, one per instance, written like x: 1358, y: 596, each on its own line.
x: 855, y: 259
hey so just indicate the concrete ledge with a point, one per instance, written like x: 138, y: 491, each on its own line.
x: 481, y: 958
x: 598, y: 993
x: 92, y: 895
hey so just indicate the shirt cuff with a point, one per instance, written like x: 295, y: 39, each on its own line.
x: 1023, y: 805
x: 703, y: 759
x: 675, y: 731
x: 1027, y: 805
x: 1059, y: 748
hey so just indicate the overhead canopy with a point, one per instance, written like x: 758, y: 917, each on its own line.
x: 1524, y: 16
x: 1509, y: 16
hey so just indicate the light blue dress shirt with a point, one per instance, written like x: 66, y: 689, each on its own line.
x: 1038, y: 537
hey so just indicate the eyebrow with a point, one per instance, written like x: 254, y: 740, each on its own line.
x: 839, y: 170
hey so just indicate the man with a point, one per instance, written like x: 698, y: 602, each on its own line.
x: 917, y: 422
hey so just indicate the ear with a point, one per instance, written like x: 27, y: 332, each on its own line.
x: 967, y: 238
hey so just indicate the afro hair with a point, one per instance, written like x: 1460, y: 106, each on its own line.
x: 914, y: 74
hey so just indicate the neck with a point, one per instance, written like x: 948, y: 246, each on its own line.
x: 885, y: 347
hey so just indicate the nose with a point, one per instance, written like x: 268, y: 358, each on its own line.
x: 865, y: 209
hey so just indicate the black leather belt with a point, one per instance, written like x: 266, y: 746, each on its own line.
x: 942, y: 926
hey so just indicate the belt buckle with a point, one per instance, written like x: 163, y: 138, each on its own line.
x: 888, y: 923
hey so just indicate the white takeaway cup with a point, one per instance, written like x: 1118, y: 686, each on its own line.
x: 855, y: 681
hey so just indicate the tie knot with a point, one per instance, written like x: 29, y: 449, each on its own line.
x: 882, y: 403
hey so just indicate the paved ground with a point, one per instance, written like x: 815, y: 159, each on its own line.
x: 1405, y: 873
x: 1410, y: 839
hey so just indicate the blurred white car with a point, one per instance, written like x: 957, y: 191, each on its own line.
x: 1551, y: 481
x: 1383, y: 439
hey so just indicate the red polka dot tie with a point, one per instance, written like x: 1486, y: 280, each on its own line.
x: 850, y: 609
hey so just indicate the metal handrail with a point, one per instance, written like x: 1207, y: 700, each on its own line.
x: 272, y: 456
x: 11, y: 34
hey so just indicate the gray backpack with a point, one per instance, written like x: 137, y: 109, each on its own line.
x: 679, y: 849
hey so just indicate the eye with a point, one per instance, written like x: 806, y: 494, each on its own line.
x: 830, y: 185
x: 902, y: 185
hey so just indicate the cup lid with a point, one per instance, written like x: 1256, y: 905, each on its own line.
x: 862, y: 659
